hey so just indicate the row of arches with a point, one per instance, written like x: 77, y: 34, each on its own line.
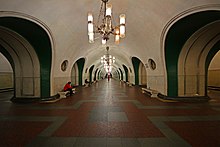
x: 187, y: 56
x: 124, y: 74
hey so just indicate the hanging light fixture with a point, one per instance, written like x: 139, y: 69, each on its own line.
x: 107, y: 60
x: 106, y: 28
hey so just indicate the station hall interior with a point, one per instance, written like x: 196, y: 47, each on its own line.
x: 152, y: 69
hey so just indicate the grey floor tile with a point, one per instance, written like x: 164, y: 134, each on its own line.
x: 52, y: 142
x: 114, y: 142
x: 114, y: 109
x: 95, y: 142
x: 90, y: 142
x: 130, y: 142
x: 117, y: 116
x: 156, y: 142
x: 98, y: 117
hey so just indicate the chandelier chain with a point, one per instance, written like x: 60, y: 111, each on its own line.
x: 100, y: 12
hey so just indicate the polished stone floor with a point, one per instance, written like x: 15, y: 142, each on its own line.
x: 110, y: 114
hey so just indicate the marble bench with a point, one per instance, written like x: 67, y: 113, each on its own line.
x: 64, y: 93
x: 151, y: 92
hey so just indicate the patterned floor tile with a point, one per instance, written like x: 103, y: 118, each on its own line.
x: 109, y: 114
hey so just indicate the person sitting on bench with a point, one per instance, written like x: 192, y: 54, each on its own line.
x: 68, y: 87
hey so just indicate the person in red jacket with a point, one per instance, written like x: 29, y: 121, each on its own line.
x: 68, y: 87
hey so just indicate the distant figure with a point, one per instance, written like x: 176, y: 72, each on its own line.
x: 108, y: 77
x: 68, y: 87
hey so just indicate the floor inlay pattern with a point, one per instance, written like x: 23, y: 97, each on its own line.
x: 109, y: 114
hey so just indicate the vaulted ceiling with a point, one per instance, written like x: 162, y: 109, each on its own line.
x: 67, y: 22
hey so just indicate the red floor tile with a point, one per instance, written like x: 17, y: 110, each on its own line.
x: 20, y: 133
x: 198, y: 133
x: 115, y: 130
x: 69, y: 129
x: 94, y: 130
x: 129, y: 107
x: 86, y: 107
x: 136, y: 117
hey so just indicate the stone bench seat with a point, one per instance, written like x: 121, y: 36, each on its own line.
x: 150, y: 92
x: 63, y: 94
x: 87, y: 84
x: 129, y: 84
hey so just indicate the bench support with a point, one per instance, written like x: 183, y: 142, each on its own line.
x: 64, y: 93
x: 129, y: 84
x: 151, y: 92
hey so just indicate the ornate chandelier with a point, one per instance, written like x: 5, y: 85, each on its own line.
x: 107, y: 60
x: 105, y: 28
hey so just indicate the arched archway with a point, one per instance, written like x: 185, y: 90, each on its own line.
x: 126, y: 73
x: 90, y: 73
x: 75, y: 74
x: 213, y: 82
x: 80, y: 64
x: 100, y: 75
x: 95, y: 75
x: 6, y: 74
x: 31, y: 54
x: 187, y: 55
x: 25, y: 63
x: 118, y: 75
x: 194, y: 59
x: 121, y: 74
x: 136, y: 63
x: 139, y: 71
x: 142, y: 75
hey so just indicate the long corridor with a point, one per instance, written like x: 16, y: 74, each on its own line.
x: 110, y: 114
